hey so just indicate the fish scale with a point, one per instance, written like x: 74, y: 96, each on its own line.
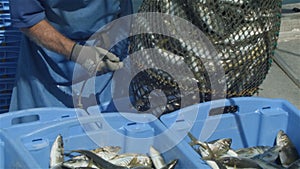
x: 244, y: 34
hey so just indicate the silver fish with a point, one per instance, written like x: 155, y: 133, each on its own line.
x: 159, y: 162
x: 107, y: 152
x: 267, y: 165
x: 214, y: 164
x: 156, y: 158
x: 217, y: 147
x: 221, y: 146
x: 171, y: 165
x: 98, y: 161
x: 131, y: 160
x: 61, y: 166
x: 270, y: 155
x: 57, y: 152
x: 252, y: 151
x: 295, y: 165
x: 288, y: 153
x: 207, y: 15
x: 79, y: 162
x: 237, y: 162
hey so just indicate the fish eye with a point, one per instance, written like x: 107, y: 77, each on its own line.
x: 226, y: 161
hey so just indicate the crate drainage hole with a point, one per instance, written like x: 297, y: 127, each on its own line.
x: 65, y: 116
x: 131, y: 124
x: 25, y: 119
x: 37, y: 140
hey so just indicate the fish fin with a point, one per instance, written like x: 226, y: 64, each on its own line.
x: 194, y: 140
x: 171, y: 165
x: 90, y: 164
x: 133, y: 162
x: 210, y: 152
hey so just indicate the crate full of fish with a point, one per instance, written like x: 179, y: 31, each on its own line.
x: 72, y: 138
x: 246, y: 132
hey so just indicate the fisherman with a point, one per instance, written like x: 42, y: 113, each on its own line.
x: 57, y: 41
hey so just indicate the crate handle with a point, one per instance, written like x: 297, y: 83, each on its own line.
x: 25, y: 119
x: 224, y: 110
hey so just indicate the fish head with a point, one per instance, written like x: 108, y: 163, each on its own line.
x: 226, y: 142
x: 112, y: 149
x: 222, y: 145
x: 57, y: 151
x: 60, y: 142
x: 282, y: 139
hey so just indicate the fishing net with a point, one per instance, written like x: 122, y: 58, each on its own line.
x: 244, y: 34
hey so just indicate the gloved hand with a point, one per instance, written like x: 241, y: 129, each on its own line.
x: 95, y: 60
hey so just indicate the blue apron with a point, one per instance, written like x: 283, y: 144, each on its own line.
x: 46, y: 79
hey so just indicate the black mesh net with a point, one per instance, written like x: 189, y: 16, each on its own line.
x: 244, y: 34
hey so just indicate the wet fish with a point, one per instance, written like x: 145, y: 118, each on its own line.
x: 60, y: 166
x: 159, y: 162
x: 214, y: 164
x: 98, y: 161
x: 267, y: 165
x: 270, y: 155
x: 156, y: 158
x: 288, y: 153
x: 295, y: 165
x: 237, y: 162
x: 57, y: 152
x: 107, y: 152
x: 131, y: 160
x: 252, y: 151
x: 78, y: 162
x: 218, y: 147
x: 221, y: 146
x: 206, y: 17
x: 171, y: 165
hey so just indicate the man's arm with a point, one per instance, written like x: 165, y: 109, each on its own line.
x: 47, y: 36
x: 93, y: 59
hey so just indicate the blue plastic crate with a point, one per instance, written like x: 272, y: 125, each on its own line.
x: 4, y: 5
x: 9, y: 48
x: 14, y: 124
x: 7, y: 54
x: 4, y: 102
x: 5, y: 99
x: 13, y: 152
x: 31, y: 119
x: 6, y: 85
x: 10, y: 37
x: 10, y: 40
x: 34, y: 131
x: 10, y: 31
x: 5, y: 20
x: 249, y: 121
x: 4, y: 109
x: 8, y: 68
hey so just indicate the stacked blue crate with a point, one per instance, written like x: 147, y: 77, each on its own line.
x: 9, y: 50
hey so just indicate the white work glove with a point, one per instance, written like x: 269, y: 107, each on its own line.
x: 95, y: 60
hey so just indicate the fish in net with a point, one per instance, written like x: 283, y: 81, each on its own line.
x: 243, y: 33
